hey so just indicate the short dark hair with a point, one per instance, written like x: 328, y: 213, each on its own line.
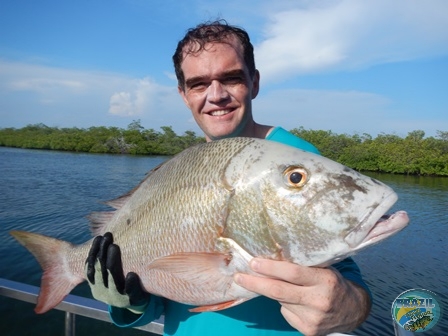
x: 212, y: 32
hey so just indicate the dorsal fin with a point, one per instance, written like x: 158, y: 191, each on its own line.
x: 118, y: 202
x: 100, y: 219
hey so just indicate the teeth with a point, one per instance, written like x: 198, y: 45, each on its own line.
x: 219, y: 113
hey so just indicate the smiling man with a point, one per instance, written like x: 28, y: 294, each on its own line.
x: 217, y: 80
x: 218, y: 87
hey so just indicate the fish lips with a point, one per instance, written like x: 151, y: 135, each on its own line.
x: 376, y: 226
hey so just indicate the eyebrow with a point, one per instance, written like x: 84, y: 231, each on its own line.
x: 237, y: 72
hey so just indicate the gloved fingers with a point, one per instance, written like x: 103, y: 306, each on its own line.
x: 134, y: 289
x: 115, y: 266
x: 104, y: 270
x: 91, y: 259
x: 107, y: 240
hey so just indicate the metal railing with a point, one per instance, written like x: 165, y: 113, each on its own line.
x: 76, y: 305
x: 72, y: 305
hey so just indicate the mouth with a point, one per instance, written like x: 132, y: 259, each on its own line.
x: 378, y: 225
x: 385, y: 227
x: 219, y: 113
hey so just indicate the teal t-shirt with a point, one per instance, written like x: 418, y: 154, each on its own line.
x: 260, y: 316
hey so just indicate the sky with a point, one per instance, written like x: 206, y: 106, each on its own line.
x: 346, y: 66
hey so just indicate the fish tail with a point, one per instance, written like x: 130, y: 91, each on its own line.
x: 57, y: 280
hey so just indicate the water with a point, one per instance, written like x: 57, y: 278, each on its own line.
x: 417, y: 257
x: 51, y: 193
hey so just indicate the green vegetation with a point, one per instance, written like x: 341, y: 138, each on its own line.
x: 133, y: 140
x: 414, y: 154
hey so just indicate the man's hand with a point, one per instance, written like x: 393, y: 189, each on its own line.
x: 315, y: 301
x: 104, y: 272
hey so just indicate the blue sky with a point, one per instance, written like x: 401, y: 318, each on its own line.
x: 349, y: 66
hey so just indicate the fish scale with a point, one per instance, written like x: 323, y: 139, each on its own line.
x: 199, y: 218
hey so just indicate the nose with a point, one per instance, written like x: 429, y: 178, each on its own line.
x: 217, y: 92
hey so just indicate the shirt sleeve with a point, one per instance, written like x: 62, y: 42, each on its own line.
x: 124, y: 318
x: 279, y: 134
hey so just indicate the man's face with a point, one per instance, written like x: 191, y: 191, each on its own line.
x: 219, y: 90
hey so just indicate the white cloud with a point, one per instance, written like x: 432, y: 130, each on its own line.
x: 54, y: 82
x: 340, y: 111
x: 145, y: 97
x: 321, y: 35
x: 121, y: 105
x: 299, y: 37
x: 171, y: 75
x: 43, y: 84
x: 67, y: 98
x: 137, y: 101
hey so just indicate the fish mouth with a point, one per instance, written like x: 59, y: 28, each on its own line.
x: 385, y: 227
x: 378, y: 225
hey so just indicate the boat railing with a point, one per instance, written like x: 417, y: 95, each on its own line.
x: 72, y: 305
x: 76, y: 305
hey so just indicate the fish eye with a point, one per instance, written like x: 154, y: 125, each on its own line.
x: 296, y: 176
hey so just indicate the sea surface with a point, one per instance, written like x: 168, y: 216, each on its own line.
x: 52, y: 192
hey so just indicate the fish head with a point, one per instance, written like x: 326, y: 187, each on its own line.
x: 317, y: 210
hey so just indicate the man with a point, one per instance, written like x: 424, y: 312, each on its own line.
x: 217, y: 80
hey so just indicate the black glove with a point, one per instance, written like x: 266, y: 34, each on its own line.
x: 105, y: 275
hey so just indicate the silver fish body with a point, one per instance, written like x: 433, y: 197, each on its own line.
x: 201, y: 216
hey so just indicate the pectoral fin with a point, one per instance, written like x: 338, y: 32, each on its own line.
x: 209, y: 271
x: 218, y: 306
x: 207, y: 276
x: 200, y: 268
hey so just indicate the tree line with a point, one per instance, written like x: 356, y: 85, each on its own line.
x: 414, y: 154
x: 135, y: 139
x: 386, y: 153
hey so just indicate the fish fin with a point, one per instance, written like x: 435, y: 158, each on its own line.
x: 200, y: 270
x: 218, y: 306
x: 213, y: 271
x: 56, y: 282
x: 236, y: 259
x: 194, y: 267
x: 118, y: 202
x: 98, y: 222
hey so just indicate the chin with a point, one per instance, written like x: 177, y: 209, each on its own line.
x: 222, y: 134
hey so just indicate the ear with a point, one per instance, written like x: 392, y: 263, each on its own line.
x: 255, y: 84
x: 184, y: 97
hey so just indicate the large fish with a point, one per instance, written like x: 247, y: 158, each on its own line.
x: 199, y: 218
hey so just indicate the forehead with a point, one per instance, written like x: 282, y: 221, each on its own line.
x: 213, y: 54
x: 195, y: 48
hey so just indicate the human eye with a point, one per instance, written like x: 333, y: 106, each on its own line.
x: 233, y: 80
x: 197, y: 86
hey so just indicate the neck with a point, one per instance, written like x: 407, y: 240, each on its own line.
x: 252, y: 130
